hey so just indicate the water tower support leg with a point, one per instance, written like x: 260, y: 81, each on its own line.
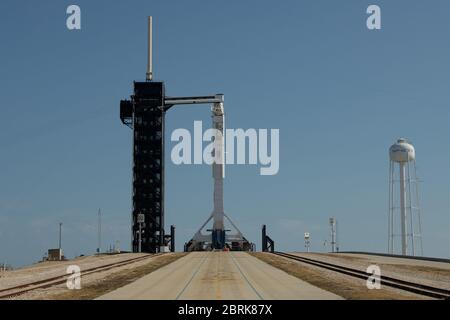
x: 403, y: 209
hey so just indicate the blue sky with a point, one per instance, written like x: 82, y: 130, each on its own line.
x: 339, y: 93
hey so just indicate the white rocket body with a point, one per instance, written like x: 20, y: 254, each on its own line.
x: 218, y: 167
x: 218, y: 236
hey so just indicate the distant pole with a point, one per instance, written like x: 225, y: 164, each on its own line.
x: 337, y: 236
x: 140, y: 238
x: 333, y: 234
x: 263, y: 240
x: 60, y: 228
x: 140, y: 220
x: 99, y: 235
x: 149, y: 74
x: 172, y: 238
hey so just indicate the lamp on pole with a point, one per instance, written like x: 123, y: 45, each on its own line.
x: 99, y: 232
x: 60, y: 231
x: 140, y: 220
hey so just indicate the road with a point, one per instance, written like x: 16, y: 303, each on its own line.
x: 219, y: 276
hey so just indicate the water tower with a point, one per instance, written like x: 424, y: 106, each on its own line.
x: 404, y: 209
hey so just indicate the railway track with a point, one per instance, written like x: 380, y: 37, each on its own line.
x: 417, y: 288
x: 15, y: 291
x: 396, y: 256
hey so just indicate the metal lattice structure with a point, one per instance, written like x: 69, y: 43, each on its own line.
x: 145, y: 115
x: 267, y: 244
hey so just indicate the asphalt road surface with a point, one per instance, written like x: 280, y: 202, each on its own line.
x: 219, y: 276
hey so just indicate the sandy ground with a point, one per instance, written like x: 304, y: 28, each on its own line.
x: 93, y: 285
x: 340, y: 284
x: 48, y: 269
x: 219, y: 276
x: 223, y: 275
x: 436, y: 274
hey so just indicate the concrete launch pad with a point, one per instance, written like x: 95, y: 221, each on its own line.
x: 219, y: 276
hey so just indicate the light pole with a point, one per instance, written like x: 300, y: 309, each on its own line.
x: 99, y: 235
x: 60, y: 228
x: 333, y: 234
x: 60, y: 241
x: 141, y: 219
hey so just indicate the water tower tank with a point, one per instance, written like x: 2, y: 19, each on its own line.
x: 402, y: 151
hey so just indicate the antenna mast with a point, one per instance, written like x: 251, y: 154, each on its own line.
x: 149, y: 74
x: 99, y: 231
